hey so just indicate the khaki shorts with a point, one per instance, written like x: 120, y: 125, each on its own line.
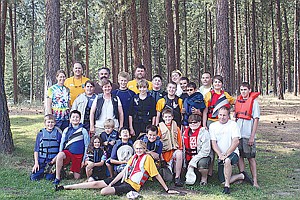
x: 247, y: 151
x: 203, y: 163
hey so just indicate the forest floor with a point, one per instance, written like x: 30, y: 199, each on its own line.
x: 278, y: 159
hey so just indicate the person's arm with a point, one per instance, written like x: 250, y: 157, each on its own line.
x: 157, y: 118
x: 86, y: 139
x: 117, y: 162
x: 117, y: 178
x: 92, y: 117
x: 217, y: 149
x: 253, y: 132
x: 99, y: 164
x: 204, y: 120
x: 36, y: 166
x: 132, y: 133
x: 234, y: 144
x: 48, y: 106
x: 121, y: 114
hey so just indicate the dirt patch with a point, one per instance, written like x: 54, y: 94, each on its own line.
x: 25, y: 110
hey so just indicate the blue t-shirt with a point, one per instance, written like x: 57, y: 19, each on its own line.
x: 117, y: 146
x: 113, y: 136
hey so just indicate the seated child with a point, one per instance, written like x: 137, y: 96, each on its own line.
x: 152, y: 140
x: 109, y: 138
x: 45, y: 150
x: 170, y: 136
x: 95, y: 161
x: 122, y: 151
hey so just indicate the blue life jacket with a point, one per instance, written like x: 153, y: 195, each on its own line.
x: 194, y: 101
x: 100, y: 102
x: 49, y: 144
x: 152, y: 146
x: 74, y: 140
x: 96, y: 155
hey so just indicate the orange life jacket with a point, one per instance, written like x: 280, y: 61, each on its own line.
x: 243, y: 107
x: 216, y: 101
x: 190, y: 143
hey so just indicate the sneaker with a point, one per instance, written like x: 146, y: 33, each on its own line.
x: 178, y: 182
x: 59, y: 188
x: 56, y: 181
x: 226, y: 190
x: 247, y: 178
x: 190, y: 176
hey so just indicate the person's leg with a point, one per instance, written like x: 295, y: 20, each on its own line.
x: 59, y: 163
x: 110, y: 169
x: 227, y: 172
x: 76, y: 175
x: 178, y: 163
x: 108, y: 191
x: 252, y: 163
x: 87, y: 185
x: 89, y: 169
x: 203, y: 165
x: 204, y: 173
x: 241, y: 164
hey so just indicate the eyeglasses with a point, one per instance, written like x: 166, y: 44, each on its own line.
x: 139, y: 149
x: 193, y: 122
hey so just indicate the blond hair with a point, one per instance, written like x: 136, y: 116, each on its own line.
x: 109, y: 123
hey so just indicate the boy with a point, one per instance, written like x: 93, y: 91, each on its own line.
x: 45, y: 150
x: 125, y: 95
x: 122, y: 151
x: 157, y: 92
x: 109, y: 138
x: 247, y: 115
x: 170, y: 136
x: 183, y: 82
x: 73, y: 147
x: 152, y: 140
x: 170, y: 101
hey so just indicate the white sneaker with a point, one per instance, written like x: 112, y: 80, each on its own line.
x: 190, y: 177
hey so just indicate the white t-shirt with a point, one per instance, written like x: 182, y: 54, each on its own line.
x: 246, y: 125
x: 107, y: 113
x: 178, y: 90
x: 223, y: 134
x: 203, y: 90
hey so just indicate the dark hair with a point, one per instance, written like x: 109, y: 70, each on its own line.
x: 75, y: 112
x: 141, y: 67
x: 105, y: 82
x: 192, y: 85
x: 91, y: 145
x: 152, y: 128
x: 184, y: 78
x: 124, y: 128
x: 167, y: 111
x: 218, y: 77
x: 194, y: 117
x: 157, y: 76
x: 90, y: 82
x: 107, y: 69
x: 246, y: 84
x: 60, y: 71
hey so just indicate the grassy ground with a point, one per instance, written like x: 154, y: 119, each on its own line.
x: 278, y: 163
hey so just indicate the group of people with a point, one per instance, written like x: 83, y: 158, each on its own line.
x: 124, y: 133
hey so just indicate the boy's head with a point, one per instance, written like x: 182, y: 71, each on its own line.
x: 245, y: 90
x: 191, y: 88
x: 175, y: 76
x: 142, y: 85
x: 218, y: 82
x: 89, y: 87
x: 167, y: 115
x: 183, y: 82
x: 109, y: 125
x: 157, y: 82
x: 206, y: 79
x: 49, y: 121
x: 123, y: 78
x: 124, y: 134
x: 75, y: 116
x: 151, y: 132
x: 140, y: 147
x: 171, y: 88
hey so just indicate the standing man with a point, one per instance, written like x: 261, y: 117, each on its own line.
x: 206, y: 82
x: 225, y: 135
x: 138, y: 75
x: 76, y: 82
x: 247, y: 113
x: 104, y: 76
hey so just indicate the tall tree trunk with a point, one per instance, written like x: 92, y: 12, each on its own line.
x: 211, y: 44
x: 32, y: 52
x: 205, y: 41
x: 288, y: 62
x: 222, y: 41
x: 261, y: 58
x: 296, y: 47
x: 185, y: 38
x: 124, y: 41
x: 145, y: 26
x: 237, y: 50
x: 267, y: 62
x: 231, y: 47
x: 6, y: 141
x: 170, y: 37
x: 116, y: 51
x: 52, y: 41
x: 105, y: 43
x: 274, y: 80
x: 86, y: 39
x: 134, y: 33
x: 111, y: 40
x: 67, y: 48
x: 246, y: 67
x: 279, y: 51
x: 253, y: 72
x: 177, y: 35
x: 13, y: 55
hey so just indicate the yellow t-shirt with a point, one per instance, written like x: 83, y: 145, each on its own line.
x: 132, y: 86
x: 76, y: 86
x: 207, y: 98
x: 149, y: 167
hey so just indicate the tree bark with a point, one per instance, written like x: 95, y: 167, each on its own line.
x: 231, y: 47
x: 124, y: 39
x: 296, y: 47
x: 134, y: 32
x: 222, y: 42
x: 170, y: 37
x: 177, y: 35
x: 211, y: 44
x: 246, y: 67
x: 6, y: 141
x: 185, y: 38
x: 237, y: 50
x: 86, y: 39
x: 274, y: 80
x: 253, y: 71
x: 111, y: 40
x: 115, y: 69
x: 32, y: 52
x: 288, y: 62
x: 279, y: 51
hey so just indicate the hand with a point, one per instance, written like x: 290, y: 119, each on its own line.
x: 112, y: 142
x: 251, y: 141
x: 92, y: 130
x: 132, y: 133
x: 82, y: 164
x: 35, y: 168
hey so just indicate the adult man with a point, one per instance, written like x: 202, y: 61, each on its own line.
x: 206, y: 81
x: 225, y: 135
x: 104, y: 75
x: 247, y: 115
x: 83, y: 103
x: 157, y: 92
x: 138, y: 75
x: 76, y: 82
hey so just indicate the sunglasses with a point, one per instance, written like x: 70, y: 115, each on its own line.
x: 190, y: 90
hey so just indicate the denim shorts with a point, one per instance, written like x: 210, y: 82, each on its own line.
x: 234, y: 160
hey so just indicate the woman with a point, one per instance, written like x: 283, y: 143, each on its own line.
x: 58, y: 101
x: 130, y: 179
x: 142, y: 110
x: 106, y: 106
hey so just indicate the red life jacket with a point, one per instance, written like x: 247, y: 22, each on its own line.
x: 190, y: 143
x: 216, y: 102
x: 137, y: 172
x: 243, y: 107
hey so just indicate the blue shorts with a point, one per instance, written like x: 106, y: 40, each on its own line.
x: 234, y: 160
x: 40, y: 174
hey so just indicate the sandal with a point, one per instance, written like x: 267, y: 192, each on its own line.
x: 203, y: 183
